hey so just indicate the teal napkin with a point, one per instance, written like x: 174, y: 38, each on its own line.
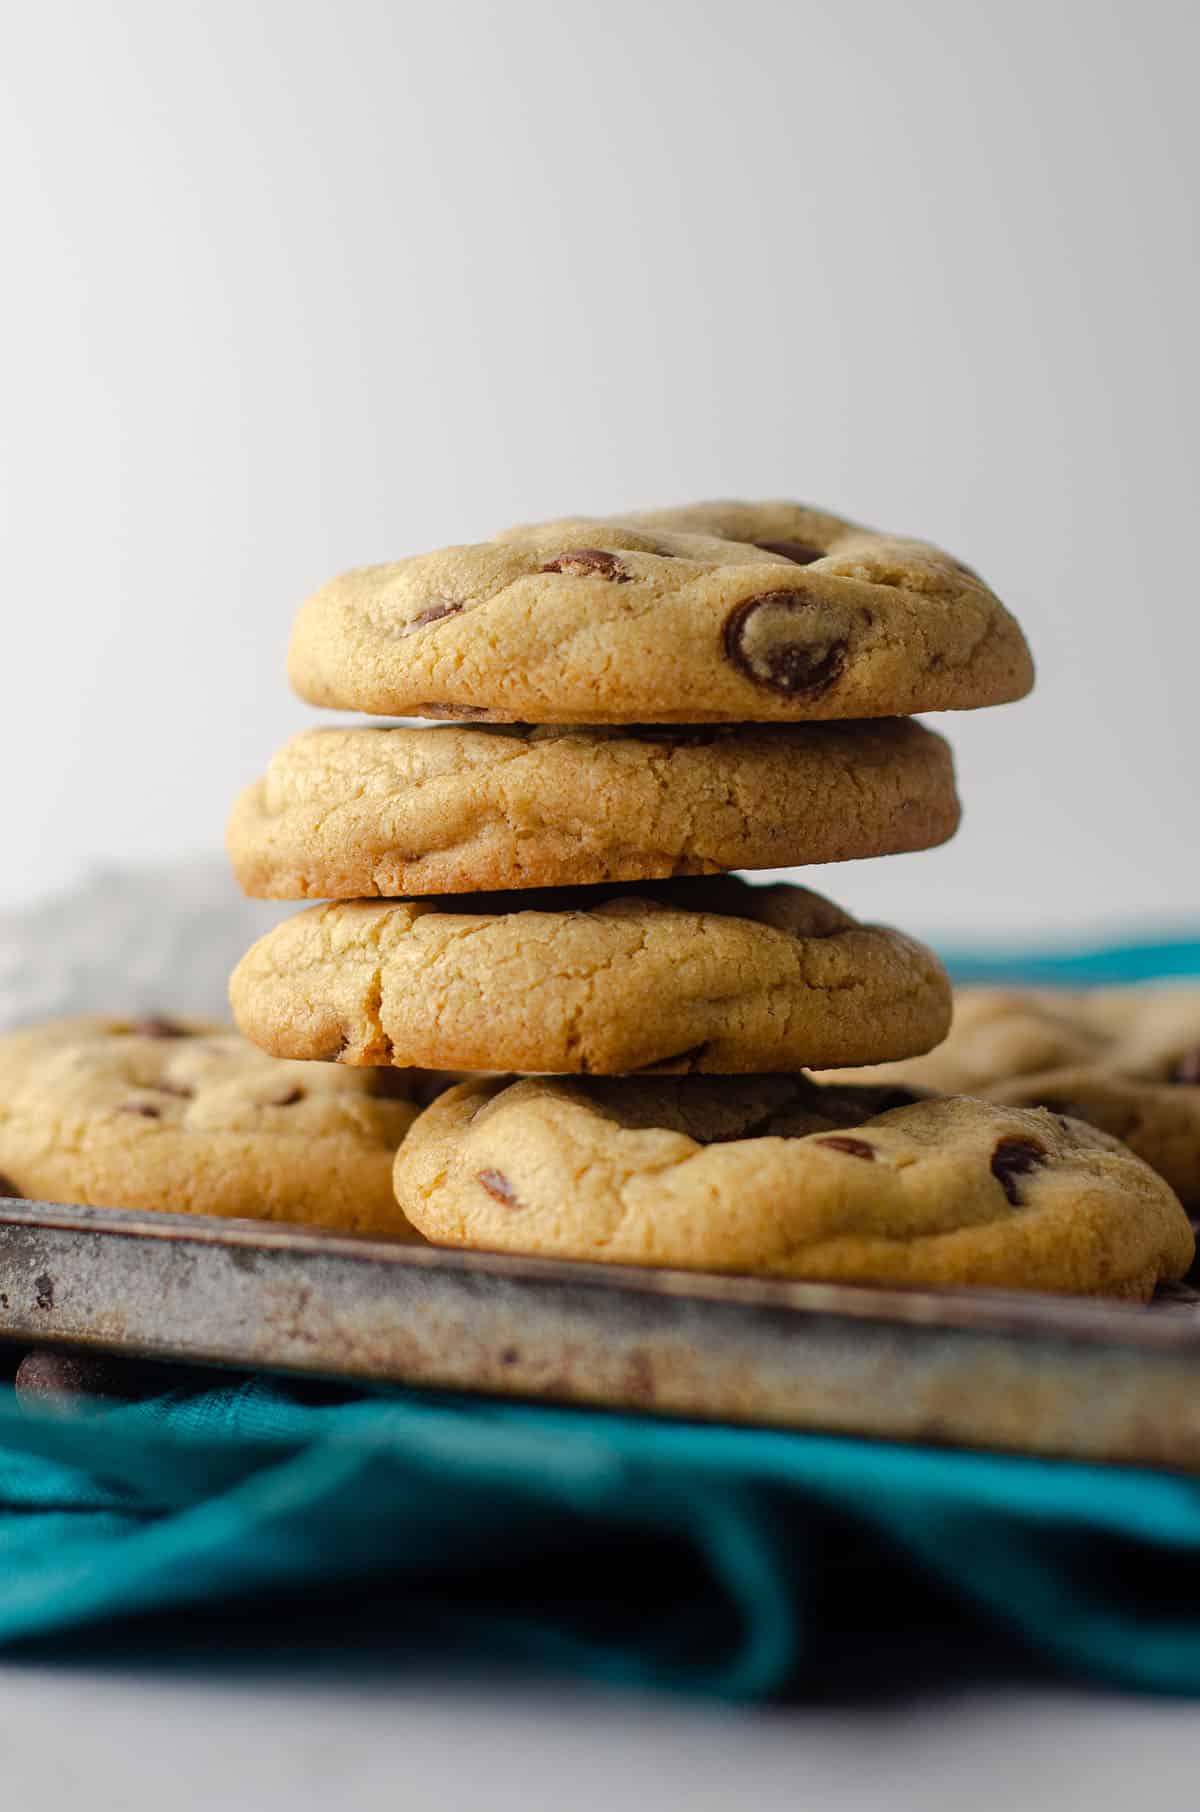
x: 739, y: 1562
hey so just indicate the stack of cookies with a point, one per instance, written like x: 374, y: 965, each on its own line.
x: 541, y: 887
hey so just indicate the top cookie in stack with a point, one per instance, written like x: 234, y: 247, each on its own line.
x: 718, y: 613
x: 654, y: 684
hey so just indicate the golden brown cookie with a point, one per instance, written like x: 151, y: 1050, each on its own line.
x: 451, y: 808
x: 187, y: 1116
x: 1124, y: 1059
x: 775, y: 1176
x: 664, y: 619
x: 706, y: 974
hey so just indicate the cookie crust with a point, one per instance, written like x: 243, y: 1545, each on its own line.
x: 187, y: 1116
x: 716, y: 613
x: 776, y: 1177
x: 706, y: 975
x: 357, y: 813
x: 1124, y: 1059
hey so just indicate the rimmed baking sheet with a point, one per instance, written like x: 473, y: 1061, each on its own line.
x: 1035, y: 1374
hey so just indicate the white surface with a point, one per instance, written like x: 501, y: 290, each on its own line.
x: 292, y: 286
x: 130, y: 1742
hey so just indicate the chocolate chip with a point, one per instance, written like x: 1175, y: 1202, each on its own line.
x: 587, y: 562
x: 1186, y: 1069
x: 289, y: 1100
x: 154, y: 1027
x: 146, y: 1109
x: 499, y: 1187
x: 854, y: 1148
x: 1015, y: 1157
x: 800, y: 553
x: 9, y: 1188
x: 779, y: 640
x: 434, y: 614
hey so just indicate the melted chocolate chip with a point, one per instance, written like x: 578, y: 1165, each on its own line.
x: 498, y: 1187
x: 587, y: 562
x: 1015, y: 1157
x: 146, y: 1109
x: 854, y: 1148
x: 9, y: 1188
x: 800, y: 553
x: 154, y: 1027
x: 1186, y: 1069
x: 447, y: 607
x: 777, y: 640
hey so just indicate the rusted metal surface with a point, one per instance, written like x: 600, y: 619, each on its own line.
x: 1026, y: 1373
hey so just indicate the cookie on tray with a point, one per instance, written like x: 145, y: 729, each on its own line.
x: 708, y: 974
x: 1125, y: 1059
x: 451, y: 808
x: 186, y: 1116
x: 720, y: 613
x: 780, y: 1177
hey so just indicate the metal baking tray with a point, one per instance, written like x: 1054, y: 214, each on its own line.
x: 1027, y: 1373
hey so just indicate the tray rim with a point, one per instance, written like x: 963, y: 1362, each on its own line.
x: 1097, y: 1321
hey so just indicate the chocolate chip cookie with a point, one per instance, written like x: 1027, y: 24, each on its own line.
x: 775, y: 1176
x: 706, y: 974
x: 1124, y: 1059
x: 351, y: 813
x: 187, y: 1116
x: 718, y: 613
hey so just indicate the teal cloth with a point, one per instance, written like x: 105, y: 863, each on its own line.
x: 739, y: 1562
x: 732, y: 1561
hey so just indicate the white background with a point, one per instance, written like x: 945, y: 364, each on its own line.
x: 291, y: 287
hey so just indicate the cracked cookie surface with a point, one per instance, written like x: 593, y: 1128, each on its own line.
x: 1124, y: 1059
x: 707, y: 974
x: 780, y: 1177
x: 721, y: 612
x: 370, y: 811
x: 186, y: 1116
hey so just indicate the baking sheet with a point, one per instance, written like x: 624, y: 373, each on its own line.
x: 1035, y: 1374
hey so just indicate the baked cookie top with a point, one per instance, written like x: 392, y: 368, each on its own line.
x: 705, y: 974
x: 1124, y: 1059
x: 720, y: 612
x: 776, y: 1176
x: 183, y: 1115
x: 449, y: 808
